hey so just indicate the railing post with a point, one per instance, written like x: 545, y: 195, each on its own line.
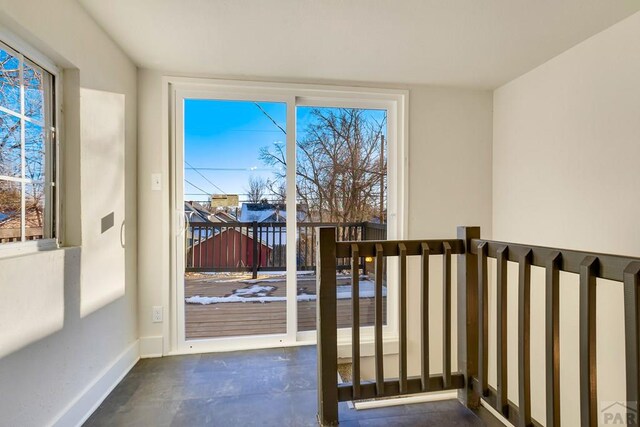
x: 363, y: 237
x: 327, y: 327
x: 255, y: 250
x: 468, y: 317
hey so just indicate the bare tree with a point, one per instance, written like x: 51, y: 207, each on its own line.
x: 278, y: 190
x: 30, y: 100
x: 256, y: 189
x: 340, y: 166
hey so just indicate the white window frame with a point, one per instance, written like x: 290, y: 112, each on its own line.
x: 28, y: 53
x: 294, y: 95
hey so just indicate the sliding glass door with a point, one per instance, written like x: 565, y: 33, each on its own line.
x: 255, y: 173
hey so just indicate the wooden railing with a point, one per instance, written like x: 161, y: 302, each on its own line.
x: 590, y: 266
x: 472, y: 321
x: 254, y: 246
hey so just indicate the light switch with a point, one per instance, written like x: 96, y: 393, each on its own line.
x: 156, y: 182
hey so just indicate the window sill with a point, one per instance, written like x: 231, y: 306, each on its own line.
x: 9, y: 250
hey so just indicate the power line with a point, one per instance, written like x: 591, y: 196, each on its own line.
x: 195, y: 186
x: 206, y: 179
x: 270, y: 118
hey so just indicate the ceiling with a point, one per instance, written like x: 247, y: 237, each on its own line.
x: 470, y: 43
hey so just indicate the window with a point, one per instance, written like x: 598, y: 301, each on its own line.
x: 27, y: 154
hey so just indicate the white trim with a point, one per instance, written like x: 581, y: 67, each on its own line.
x: 292, y: 219
x: 81, y: 408
x: 151, y: 347
x: 495, y: 413
x: 29, y: 247
x: 406, y: 400
x: 31, y: 53
x: 26, y: 53
x: 236, y: 344
x: 395, y: 101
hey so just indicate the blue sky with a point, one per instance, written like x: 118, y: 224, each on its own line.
x: 226, y: 136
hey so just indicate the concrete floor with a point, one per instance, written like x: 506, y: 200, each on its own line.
x: 274, y: 387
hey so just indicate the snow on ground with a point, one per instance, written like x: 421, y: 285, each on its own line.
x: 259, y: 294
x: 255, y: 290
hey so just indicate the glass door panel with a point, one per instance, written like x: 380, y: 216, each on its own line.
x: 341, y: 181
x: 235, y: 218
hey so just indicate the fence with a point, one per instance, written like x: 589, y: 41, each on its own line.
x: 253, y: 246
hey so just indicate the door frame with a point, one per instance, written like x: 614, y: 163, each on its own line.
x: 294, y: 95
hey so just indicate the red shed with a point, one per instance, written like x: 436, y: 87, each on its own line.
x: 228, y: 248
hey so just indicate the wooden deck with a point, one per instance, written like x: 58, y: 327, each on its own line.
x: 225, y: 319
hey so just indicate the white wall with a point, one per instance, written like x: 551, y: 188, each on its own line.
x: 450, y: 133
x: 68, y: 316
x: 565, y: 158
x: 449, y: 185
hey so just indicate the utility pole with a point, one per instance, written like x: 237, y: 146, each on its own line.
x: 382, y: 172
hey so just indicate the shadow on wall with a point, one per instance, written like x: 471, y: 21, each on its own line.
x: 40, y: 294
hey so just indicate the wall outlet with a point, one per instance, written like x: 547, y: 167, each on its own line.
x: 157, y: 314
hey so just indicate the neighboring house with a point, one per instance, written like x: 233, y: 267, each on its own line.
x: 267, y: 212
x: 228, y: 247
x: 222, y: 246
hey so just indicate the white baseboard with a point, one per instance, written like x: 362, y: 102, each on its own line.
x: 78, y: 411
x: 151, y: 347
x: 406, y: 400
x: 495, y: 413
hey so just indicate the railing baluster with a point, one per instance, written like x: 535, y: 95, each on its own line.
x: 632, y: 336
x: 524, y: 339
x: 402, y: 282
x: 200, y: 247
x: 204, y: 247
x: 446, y: 313
x: 233, y: 233
x: 378, y: 321
x: 308, y: 246
x: 254, y: 265
x: 552, y: 336
x: 189, y: 240
x: 588, y: 378
x: 226, y: 249
x: 244, y: 257
x: 483, y: 319
x: 299, y: 242
x: 501, y: 306
x: 219, y: 254
x: 355, y: 321
x: 424, y: 315
x: 313, y: 244
x: 327, y: 328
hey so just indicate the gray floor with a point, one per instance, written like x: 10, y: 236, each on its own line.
x: 254, y: 388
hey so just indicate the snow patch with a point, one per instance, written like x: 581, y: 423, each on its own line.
x: 259, y: 294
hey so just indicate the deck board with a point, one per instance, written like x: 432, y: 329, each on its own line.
x: 255, y: 318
